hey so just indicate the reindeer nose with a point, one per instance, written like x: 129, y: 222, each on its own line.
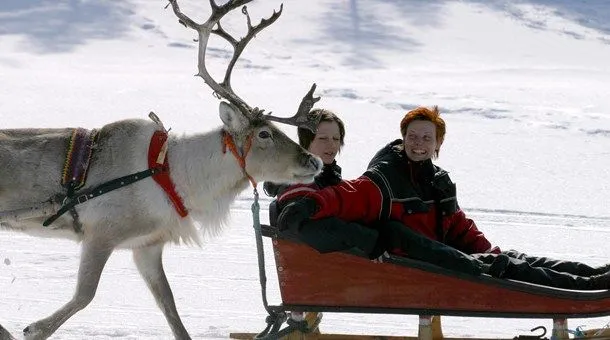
x: 310, y: 161
x: 315, y: 163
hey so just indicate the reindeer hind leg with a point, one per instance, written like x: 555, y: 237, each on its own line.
x: 5, y: 335
x: 92, y: 261
x: 149, y: 261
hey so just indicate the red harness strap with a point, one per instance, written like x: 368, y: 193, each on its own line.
x: 155, y: 150
x: 227, y: 141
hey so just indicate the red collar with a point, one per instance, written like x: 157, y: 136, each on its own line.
x: 227, y: 142
x: 157, y: 157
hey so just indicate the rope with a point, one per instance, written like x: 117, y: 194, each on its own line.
x: 275, y: 319
x: 256, y: 220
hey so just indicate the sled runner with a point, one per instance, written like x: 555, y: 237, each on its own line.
x: 349, y: 282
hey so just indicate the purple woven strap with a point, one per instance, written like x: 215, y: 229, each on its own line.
x: 78, y: 157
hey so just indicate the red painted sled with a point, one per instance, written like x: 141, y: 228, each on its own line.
x: 346, y: 282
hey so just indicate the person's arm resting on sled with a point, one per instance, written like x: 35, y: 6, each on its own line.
x: 327, y: 234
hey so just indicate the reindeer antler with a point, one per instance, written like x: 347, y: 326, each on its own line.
x: 223, y: 89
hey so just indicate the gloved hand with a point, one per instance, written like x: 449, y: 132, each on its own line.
x: 330, y: 175
x: 295, y: 212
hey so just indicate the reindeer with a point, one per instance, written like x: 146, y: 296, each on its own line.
x: 203, y: 174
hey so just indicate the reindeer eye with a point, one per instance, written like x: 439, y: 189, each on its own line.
x: 264, y: 134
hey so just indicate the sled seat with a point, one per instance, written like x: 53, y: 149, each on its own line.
x: 350, y: 282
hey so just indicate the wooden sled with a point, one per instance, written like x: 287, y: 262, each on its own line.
x: 346, y: 282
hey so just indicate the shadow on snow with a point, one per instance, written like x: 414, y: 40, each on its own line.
x: 358, y: 28
x: 56, y: 27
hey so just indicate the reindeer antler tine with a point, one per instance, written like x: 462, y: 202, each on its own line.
x: 308, y: 101
x: 302, y: 118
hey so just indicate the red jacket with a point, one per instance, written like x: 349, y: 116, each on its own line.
x: 418, y: 194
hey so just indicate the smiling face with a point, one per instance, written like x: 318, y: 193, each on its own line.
x: 420, y: 140
x: 327, y: 141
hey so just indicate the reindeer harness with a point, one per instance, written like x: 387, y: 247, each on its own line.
x: 78, y: 157
x: 76, y: 167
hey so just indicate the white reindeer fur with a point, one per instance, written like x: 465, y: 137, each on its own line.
x: 140, y: 216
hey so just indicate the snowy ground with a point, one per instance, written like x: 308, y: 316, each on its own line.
x: 523, y: 85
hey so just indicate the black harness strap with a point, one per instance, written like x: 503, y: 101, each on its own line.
x: 87, y: 194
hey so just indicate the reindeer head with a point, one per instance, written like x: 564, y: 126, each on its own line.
x: 268, y: 153
x: 264, y: 152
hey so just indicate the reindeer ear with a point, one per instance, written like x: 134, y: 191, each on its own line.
x: 233, y: 119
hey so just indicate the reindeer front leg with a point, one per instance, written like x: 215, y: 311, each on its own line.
x: 149, y: 261
x: 92, y: 261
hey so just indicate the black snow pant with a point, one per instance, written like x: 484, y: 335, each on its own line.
x: 508, y: 265
x: 542, y: 270
x: 396, y: 238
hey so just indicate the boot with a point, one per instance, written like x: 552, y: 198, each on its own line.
x: 603, y: 269
x: 601, y: 281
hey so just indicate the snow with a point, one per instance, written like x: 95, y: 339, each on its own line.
x: 523, y: 86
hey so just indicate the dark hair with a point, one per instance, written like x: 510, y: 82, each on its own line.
x: 423, y: 113
x: 306, y: 136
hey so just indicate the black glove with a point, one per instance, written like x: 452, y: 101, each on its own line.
x: 274, y: 189
x: 330, y: 175
x: 294, y: 213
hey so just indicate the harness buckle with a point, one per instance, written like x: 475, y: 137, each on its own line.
x: 82, y: 199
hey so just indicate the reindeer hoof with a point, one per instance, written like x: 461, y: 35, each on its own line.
x: 30, y: 333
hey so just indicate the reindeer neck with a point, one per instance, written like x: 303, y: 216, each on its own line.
x: 207, y: 179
